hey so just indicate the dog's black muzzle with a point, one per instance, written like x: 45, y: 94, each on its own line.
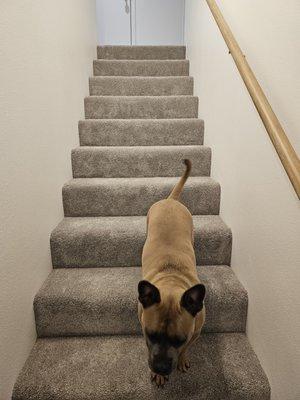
x: 162, y: 366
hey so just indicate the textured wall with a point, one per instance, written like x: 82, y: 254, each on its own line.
x: 46, y: 57
x: 258, y: 201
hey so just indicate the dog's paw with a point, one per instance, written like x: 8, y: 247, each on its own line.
x: 183, y: 364
x: 159, y: 380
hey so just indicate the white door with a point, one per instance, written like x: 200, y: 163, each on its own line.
x: 114, y: 22
x: 140, y: 22
x: 158, y: 22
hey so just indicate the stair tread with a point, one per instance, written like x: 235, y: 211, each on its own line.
x: 147, y: 107
x: 141, y: 85
x: 141, y: 132
x: 142, y: 121
x: 141, y: 67
x: 138, y: 148
x: 104, y: 301
x: 141, y: 52
x: 125, y: 79
x: 151, y: 180
x: 128, y: 196
x: 104, y: 241
x: 103, y: 368
x: 139, y: 161
x: 141, y: 98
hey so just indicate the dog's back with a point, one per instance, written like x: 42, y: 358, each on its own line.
x: 169, y: 231
x: 170, y: 294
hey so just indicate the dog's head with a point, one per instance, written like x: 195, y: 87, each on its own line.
x: 168, y: 322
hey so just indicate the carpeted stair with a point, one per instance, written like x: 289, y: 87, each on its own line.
x: 141, y: 121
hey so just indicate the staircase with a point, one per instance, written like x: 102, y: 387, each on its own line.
x: 141, y: 121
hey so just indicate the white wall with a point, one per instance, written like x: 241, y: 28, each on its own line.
x: 46, y: 55
x: 258, y: 201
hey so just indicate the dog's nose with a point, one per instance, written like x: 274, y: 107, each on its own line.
x: 162, y: 366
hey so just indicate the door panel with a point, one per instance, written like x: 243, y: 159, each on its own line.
x: 140, y: 22
x: 113, y: 21
x: 158, y: 22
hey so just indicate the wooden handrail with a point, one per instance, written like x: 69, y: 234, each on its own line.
x: 285, y: 150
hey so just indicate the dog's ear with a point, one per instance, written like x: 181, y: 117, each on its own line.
x: 148, y: 294
x: 192, y: 299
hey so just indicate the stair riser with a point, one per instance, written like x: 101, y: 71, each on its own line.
x: 141, y: 52
x: 120, y: 86
x: 116, y: 313
x: 130, y: 198
x: 141, y: 132
x: 139, y: 162
x: 141, y: 68
x: 85, y: 246
x: 141, y: 107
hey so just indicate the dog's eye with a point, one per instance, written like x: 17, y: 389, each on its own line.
x: 159, y: 338
x: 177, y: 342
x: 153, y: 337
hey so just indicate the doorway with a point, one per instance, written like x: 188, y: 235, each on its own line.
x: 140, y: 22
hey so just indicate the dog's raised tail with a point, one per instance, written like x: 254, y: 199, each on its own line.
x: 176, y: 192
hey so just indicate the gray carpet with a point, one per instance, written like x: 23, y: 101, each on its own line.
x: 84, y: 197
x: 118, y: 241
x: 71, y: 304
x: 138, y: 161
x: 135, y: 107
x: 141, y: 86
x: 141, y: 68
x: 141, y: 52
x: 141, y: 121
x: 141, y: 132
x: 115, y: 367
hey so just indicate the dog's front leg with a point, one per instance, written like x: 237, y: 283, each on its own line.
x: 184, y: 364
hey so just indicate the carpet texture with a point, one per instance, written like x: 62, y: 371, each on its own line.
x: 141, y: 86
x: 141, y: 122
x: 114, y: 367
x: 71, y: 304
x: 157, y: 107
x: 86, y: 197
x: 141, y: 52
x: 141, y: 132
x: 138, y: 161
x: 141, y: 68
x: 118, y: 241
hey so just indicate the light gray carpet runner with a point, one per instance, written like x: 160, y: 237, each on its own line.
x: 141, y: 121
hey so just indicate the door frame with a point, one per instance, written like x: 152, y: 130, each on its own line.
x: 133, y: 22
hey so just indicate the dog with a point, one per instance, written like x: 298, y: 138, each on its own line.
x: 171, y: 298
